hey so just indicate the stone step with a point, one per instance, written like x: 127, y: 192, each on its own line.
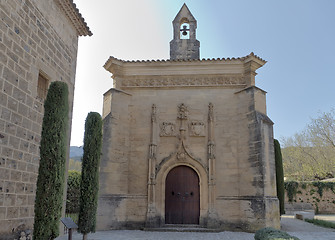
x: 181, y: 228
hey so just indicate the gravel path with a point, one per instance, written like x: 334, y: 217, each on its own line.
x: 298, y: 228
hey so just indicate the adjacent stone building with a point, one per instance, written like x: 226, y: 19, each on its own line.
x: 38, y: 45
x: 187, y: 141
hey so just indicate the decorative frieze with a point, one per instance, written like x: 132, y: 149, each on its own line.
x: 178, y: 81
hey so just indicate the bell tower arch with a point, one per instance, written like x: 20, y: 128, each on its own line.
x: 184, y: 44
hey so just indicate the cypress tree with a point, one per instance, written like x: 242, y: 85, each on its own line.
x: 279, y: 176
x: 53, y: 146
x: 89, y: 173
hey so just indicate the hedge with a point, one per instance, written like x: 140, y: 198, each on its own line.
x: 269, y: 233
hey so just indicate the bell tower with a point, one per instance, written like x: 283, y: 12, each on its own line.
x: 184, y: 44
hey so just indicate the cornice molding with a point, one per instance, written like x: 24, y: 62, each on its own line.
x: 73, y: 14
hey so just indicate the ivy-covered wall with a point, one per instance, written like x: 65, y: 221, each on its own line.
x: 320, y: 194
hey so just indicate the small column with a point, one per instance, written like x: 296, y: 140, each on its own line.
x: 211, y: 160
x: 182, y: 116
x: 151, y: 213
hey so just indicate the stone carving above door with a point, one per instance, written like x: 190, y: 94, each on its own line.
x: 197, y: 129
x: 182, y: 111
x: 167, y: 129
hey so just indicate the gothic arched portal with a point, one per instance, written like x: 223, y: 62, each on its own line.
x: 182, y: 196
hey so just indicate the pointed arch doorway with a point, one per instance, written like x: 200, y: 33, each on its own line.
x: 182, y: 196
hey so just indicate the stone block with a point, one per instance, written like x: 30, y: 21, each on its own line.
x: 20, y: 187
x: 12, y: 212
x: 12, y: 104
x: 31, y: 199
x: 30, y: 188
x: 24, y: 145
x: 14, y: 142
x: 24, y: 212
x: 19, y: 95
x: 4, y: 173
x: 4, y: 139
x: 12, y: 56
x: 2, y: 182
x: 7, y: 152
x: 16, y: 119
x: 6, y: 114
x: 9, y: 200
x: 22, y: 166
x: 9, y: 187
x: 3, y: 59
x: 15, y: 175
x: 18, y: 155
x: 17, y: 48
x: 8, y: 89
x: 25, y: 177
x: 2, y: 209
x: 20, y: 71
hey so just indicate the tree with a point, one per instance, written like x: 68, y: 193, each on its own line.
x: 310, y: 154
x: 279, y: 177
x: 74, y: 165
x: 73, y: 192
x: 53, y: 146
x: 90, y: 175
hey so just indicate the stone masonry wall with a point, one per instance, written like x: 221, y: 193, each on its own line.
x: 35, y: 36
x: 320, y: 194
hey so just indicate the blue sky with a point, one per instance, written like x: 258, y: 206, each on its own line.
x: 296, y: 37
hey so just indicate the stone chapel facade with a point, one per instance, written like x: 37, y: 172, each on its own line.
x: 187, y: 141
x: 38, y: 45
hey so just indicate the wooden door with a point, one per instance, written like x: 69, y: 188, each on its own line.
x: 182, y: 196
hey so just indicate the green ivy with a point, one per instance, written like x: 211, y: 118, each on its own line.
x: 323, y: 185
x: 291, y: 188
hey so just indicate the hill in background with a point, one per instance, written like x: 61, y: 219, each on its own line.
x: 76, y: 153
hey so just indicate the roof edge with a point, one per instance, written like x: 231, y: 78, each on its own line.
x: 247, y: 58
x: 179, y: 13
x: 72, y: 12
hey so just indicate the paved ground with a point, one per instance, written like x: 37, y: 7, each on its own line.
x: 330, y: 218
x: 307, y: 231
x: 298, y: 228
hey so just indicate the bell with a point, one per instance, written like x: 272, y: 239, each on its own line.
x: 184, y: 33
